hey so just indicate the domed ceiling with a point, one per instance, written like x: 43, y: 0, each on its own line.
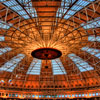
x: 70, y: 26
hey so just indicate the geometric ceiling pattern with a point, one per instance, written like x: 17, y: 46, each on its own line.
x: 71, y: 26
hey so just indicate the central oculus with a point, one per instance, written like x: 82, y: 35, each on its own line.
x: 46, y: 53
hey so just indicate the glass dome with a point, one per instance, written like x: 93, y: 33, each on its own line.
x: 70, y: 26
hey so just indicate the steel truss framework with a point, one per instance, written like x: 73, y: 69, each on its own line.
x: 49, y: 30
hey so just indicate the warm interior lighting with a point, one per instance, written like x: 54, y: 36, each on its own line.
x: 50, y: 49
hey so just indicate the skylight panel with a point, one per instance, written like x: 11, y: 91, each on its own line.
x: 90, y: 0
x: 67, y: 16
x: 2, y: 0
x: 80, y: 4
x: 59, y: 12
x: 12, y: 4
x: 30, y: 9
x: 58, y: 68
x: 17, y: 7
x: 76, y: 7
x: 94, y: 38
x: 92, y: 51
x: 4, y: 50
x: 35, y: 67
x: 4, y: 25
x: 10, y: 65
x: 71, y: 12
x: 22, y: 12
x: 26, y: 16
x: 2, y: 38
x: 68, y: 1
x: 92, y: 24
x: 81, y: 64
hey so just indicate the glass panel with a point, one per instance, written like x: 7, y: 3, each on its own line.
x: 2, y: 38
x: 94, y: 38
x: 92, y: 24
x: 81, y: 64
x: 4, y: 50
x: 10, y: 65
x: 35, y: 67
x: 80, y: 4
x: 92, y: 51
x: 12, y: 4
x: 58, y: 68
x: 4, y: 25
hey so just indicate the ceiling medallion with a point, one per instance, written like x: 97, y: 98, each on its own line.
x: 46, y: 53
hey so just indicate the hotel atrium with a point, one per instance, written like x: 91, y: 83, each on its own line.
x: 49, y: 49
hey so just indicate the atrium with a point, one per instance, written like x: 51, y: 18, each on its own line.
x: 49, y: 49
